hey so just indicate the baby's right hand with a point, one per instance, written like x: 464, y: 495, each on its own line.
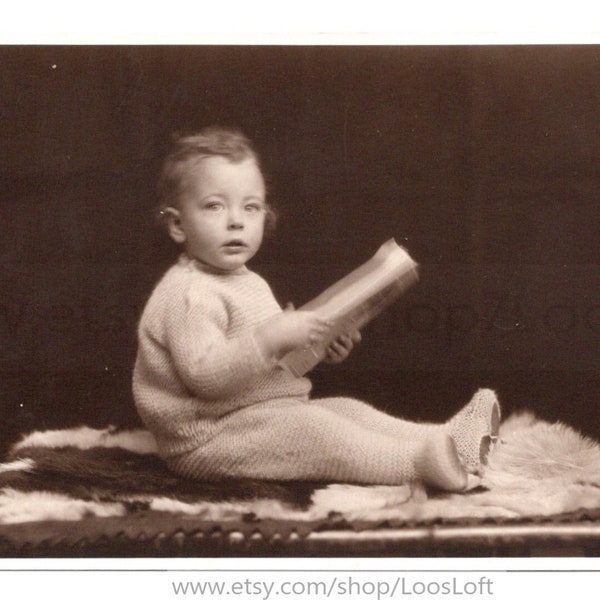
x: 292, y: 329
x: 302, y: 328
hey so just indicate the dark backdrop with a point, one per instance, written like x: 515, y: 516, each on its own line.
x: 482, y: 161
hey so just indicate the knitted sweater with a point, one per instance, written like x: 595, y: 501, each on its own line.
x: 197, y: 356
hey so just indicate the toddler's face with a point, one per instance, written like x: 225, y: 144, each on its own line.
x: 221, y: 214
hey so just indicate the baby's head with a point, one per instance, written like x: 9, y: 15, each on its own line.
x: 214, y: 197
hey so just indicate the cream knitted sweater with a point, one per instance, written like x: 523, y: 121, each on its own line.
x: 197, y: 356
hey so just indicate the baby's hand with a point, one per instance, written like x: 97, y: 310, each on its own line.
x: 342, y: 346
x: 292, y: 329
x: 302, y: 328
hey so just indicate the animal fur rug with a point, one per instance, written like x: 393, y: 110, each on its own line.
x: 537, y: 469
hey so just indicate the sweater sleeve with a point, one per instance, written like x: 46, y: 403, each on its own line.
x: 212, y: 364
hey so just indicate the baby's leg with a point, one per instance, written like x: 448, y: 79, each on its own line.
x: 296, y: 440
x: 377, y: 420
x: 473, y: 428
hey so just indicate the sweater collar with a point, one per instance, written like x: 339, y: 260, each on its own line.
x: 186, y: 259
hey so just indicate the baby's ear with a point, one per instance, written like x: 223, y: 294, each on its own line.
x: 173, y: 219
x: 270, y: 220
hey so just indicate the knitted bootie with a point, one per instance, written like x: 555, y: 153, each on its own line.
x: 474, y: 429
x: 438, y: 464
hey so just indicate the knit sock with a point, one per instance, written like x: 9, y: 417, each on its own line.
x: 475, y: 428
x: 438, y: 464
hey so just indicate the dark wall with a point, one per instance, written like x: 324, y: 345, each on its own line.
x: 482, y: 161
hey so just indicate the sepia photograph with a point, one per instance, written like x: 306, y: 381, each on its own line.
x: 315, y: 300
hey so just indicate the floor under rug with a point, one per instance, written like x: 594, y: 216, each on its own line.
x: 569, y: 535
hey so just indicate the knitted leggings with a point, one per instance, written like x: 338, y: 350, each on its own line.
x: 329, y: 439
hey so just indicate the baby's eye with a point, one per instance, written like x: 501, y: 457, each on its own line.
x: 213, y: 206
x: 253, y: 207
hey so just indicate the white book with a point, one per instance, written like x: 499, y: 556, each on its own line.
x: 356, y: 299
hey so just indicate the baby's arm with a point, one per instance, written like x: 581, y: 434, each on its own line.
x: 214, y: 365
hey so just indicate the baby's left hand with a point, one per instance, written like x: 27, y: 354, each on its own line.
x: 342, y: 346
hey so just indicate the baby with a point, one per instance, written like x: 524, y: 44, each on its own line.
x: 207, y: 382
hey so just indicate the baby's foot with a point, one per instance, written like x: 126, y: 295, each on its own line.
x: 474, y: 429
x: 438, y: 464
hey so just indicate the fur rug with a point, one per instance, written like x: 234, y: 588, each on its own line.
x: 537, y: 469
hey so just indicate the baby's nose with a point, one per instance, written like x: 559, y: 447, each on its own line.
x: 235, y: 220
